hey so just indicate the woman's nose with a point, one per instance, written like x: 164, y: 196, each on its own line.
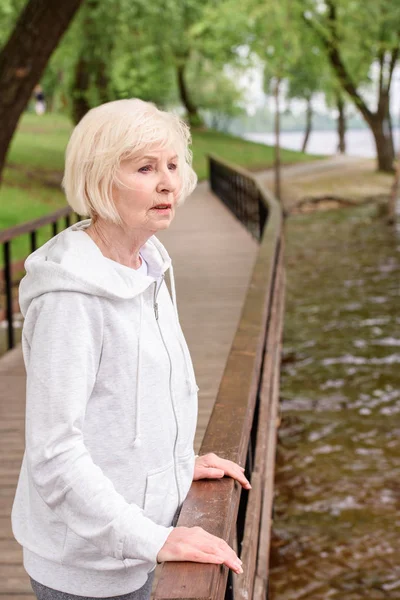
x: 167, y: 181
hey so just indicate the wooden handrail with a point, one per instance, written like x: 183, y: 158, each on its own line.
x: 6, y: 235
x: 236, y: 429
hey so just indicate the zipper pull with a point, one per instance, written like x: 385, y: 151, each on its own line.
x: 156, y: 310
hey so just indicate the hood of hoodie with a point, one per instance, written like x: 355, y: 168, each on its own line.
x: 71, y: 261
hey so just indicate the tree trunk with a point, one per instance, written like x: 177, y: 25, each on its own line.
x: 309, y: 115
x: 80, y: 105
x: 191, y: 109
x: 103, y: 80
x: 390, y: 124
x: 24, y: 58
x: 91, y: 70
x: 394, y: 194
x: 277, y: 162
x: 384, y: 149
x: 341, y: 124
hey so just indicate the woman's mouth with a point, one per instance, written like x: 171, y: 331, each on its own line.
x: 162, y: 208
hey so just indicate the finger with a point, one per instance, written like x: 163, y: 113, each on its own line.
x: 208, y: 473
x: 225, y: 554
x: 231, y: 559
x: 235, y: 471
x: 217, y: 559
x: 214, y: 549
x: 212, y: 473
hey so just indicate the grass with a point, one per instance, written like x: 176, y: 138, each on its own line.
x: 236, y: 150
x: 31, y: 180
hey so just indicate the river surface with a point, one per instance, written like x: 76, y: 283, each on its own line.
x: 336, y: 529
x: 359, y: 142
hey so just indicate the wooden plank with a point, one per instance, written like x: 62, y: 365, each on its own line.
x: 9, y: 596
x: 248, y: 555
x: 6, y: 500
x: 10, y: 552
x: 273, y: 423
x: 14, y: 580
x: 260, y: 589
x: 5, y: 528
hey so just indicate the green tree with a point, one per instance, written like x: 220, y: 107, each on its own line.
x: 305, y: 78
x: 356, y: 35
x: 276, y: 41
x: 216, y: 91
x: 187, y: 34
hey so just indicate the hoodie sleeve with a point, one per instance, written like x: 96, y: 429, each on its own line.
x: 64, y: 337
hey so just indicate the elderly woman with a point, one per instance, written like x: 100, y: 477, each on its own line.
x: 111, y: 399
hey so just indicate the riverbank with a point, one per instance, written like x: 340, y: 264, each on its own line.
x: 336, y: 527
x: 343, y: 177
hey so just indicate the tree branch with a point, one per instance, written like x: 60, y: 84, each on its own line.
x: 381, y: 59
x: 332, y: 49
x: 393, y: 60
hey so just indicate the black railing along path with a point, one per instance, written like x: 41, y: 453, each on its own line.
x: 6, y: 238
x: 241, y: 194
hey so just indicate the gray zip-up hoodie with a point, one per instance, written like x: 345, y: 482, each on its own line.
x: 111, y: 409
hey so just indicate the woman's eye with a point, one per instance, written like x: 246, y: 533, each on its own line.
x: 145, y: 169
x: 172, y: 167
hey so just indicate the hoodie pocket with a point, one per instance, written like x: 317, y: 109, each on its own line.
x: 161, y: 497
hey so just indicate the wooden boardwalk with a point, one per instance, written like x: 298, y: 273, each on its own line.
x: 213, y: 257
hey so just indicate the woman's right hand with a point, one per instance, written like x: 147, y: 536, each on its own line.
x: 197, y: 545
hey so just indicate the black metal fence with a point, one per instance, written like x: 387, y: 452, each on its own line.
x: 64, y: 215
x: 240, y: 194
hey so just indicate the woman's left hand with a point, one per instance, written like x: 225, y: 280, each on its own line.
x: 211, y: 466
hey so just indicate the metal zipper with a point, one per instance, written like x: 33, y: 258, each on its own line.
x: 156, y: 290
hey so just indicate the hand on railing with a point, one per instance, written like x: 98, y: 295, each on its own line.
x: 194, y: 544
x: 211, y: 466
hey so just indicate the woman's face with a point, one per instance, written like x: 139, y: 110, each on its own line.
x: 147, y: 188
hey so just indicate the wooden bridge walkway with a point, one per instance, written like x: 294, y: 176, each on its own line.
x: 213, y: 258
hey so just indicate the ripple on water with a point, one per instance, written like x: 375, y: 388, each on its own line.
x: 350, y: 359
x: 336, y: 521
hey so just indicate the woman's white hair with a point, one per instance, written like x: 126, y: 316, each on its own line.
x: 113, y: 132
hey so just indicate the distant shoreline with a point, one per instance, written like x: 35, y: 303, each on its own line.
x: 317, y: 130
x: 359, y: 142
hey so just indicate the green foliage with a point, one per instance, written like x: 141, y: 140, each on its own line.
x: 364, y: 32
x: 141, y: 45
x: 9, y: 12
x: 215, y: 92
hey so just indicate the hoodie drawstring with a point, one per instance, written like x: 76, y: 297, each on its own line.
x: 137, y: 442
x: 173, y: 291
x: 192, y: 385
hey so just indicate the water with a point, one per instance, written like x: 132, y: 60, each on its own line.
x: 359, y: 142
x: 336, y: 530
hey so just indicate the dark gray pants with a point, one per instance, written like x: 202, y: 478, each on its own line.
x: 44, y: 593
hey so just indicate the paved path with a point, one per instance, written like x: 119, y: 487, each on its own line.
x: 213, y: 257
